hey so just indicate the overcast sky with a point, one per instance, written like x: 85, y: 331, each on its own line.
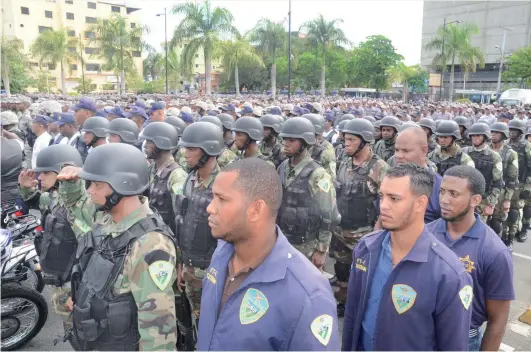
x: 400, y: 21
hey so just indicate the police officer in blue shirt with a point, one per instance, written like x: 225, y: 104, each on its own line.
x: 259, y: 292
x: 481, y: 251
x: 407, y: 291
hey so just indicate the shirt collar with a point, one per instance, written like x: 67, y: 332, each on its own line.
x: 116, y: 229
x: 419, y: 253
x: 298, y: 168
x: 169, y: 160
x: 206, y: 183
x: 473, y: 232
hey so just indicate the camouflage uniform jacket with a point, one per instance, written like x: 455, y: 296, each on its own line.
x: 176, y: 177
x: 328, y: 156
x: 226, y: 157
x: 497, y: 173
x: 431, y: 165
x: 385, y: 149
x: 259, y: 155
x: 321, y: 190
x: 24, y: 123
x: 516, y: 147
x: 274, y: 152
x: 438, y: 155
x: 510, y: 170
x: 155, y: 307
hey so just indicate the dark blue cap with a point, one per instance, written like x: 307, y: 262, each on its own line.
x: 308, y: 106
x: 247, y: 110
x: 156, y: 106
x: 42, y: 119
x: 116, y: 110
x: 297, y: 111
x: 357, y: 112
x: 101, y: 113
x: 275, y: 110
x: 136, y: 111
x: 85, y: 103
x: 139, y: 104
x: 186, y: 117
x: 212, y: 113
x: 506, y: 115
x: 304, y: 111
x: 229, y: 107
x: 65, y: 117
x: 329, y: 115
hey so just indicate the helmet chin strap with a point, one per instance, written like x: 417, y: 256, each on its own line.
x: 301, y: 150
x: 360, y: 147
x: 110, y: 201
x: 202, y: 161
x: 155, y: 154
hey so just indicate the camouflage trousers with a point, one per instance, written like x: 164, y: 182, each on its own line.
x: 523, y: 205
x: 193, y: 281
x: 307, y: 248
x: 60, y: 296
x: 480, y: 208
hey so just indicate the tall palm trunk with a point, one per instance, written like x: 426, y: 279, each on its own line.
x: 405, y: 92
x: 122, y: 81
x: 323, y: 73
x: 208, y: 62
x: 274, y: 76
x: 237, y: 79
x: 5, y: 76
x: 63, y: 83
x: 176, y: 82
x: 452, y: 72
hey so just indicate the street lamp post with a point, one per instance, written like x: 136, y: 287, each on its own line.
x: 165, y: 45
x: 289, y: 52
x: 502, y: 51
x: 442, y: 54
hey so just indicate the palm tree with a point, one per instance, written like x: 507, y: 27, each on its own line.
x: 116, y: 42
x: 152, y: 64
x: 457, y: 48
x: 270, y: 37
x: 53, y: 46
x: 234, y: 53
x: 402, y: 73
x: 12, y: 50
x: 327, y: 33
x: 202, y: 27
x: 174, y: 67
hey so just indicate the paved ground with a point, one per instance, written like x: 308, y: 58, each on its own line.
x: 517, y: 336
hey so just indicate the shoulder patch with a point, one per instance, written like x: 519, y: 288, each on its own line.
x: 253, y: 307
x: 161, y: 272
x: 324, y: 184
x: 403, y: 297
x: 321, y: 328
x: 465, y: 295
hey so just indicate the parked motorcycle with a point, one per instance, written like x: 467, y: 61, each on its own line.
x: 24, y: 310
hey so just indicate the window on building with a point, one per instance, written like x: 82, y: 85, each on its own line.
x: 48, y: 14
x: 90, y: 35
x: 133, y: 25
x: 136, y: 54
x: 73, y: 67
x: 71, y: 33
x: 196, y: 65
x: 90, y: 19
x: 91, y: 50
x: 72, y: 49
x: 115, y: 9
x: 91, y: 5
x: 51, y: 66
x: 24, y: 10
x: 43, y: 28
x: 92, y: 67
x: 69, y: 16
x: 69, y: 2
x: 34, y: 64
x: 93, y: 86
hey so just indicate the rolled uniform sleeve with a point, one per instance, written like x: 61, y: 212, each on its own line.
x: 305, y: 338
x: 497, y: 179
x: 512, y: 175
x: 155, y: 301
x: 80, y: 206
x: 453, y: 312
x: 324, y: 193
x: 499, y: 284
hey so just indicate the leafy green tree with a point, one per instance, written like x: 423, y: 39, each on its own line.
x: 84, y: 86
x: 270, y: 37
x: 151, y: 65
x: 306, y: 71
x: 13, y: 62
x: 45, y: 81
x: 458, y: 48
x: 201, y: 28
x: 327, y: 34
x: 53, y: 46
x: 233, y: 54
x: 370, y: 62
x: 402, y: 73
x: 418, y: 83
x: 336, y: 66
x: 519, y: 67
x: 116, y: 41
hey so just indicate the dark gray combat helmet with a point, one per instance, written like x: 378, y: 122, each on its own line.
x: 479, y: 129
x: 462, y: 121
x: 162, y: 134
x: 341, y: 125
x: 361, y: 128
x: 371, y: 119
x: 249, y: 125
x: 212, y: 119
x: 125, y: 128
x: 448, y: 128
x: 528, y: 132
x: 391, y: 121
x: 204, y: 135
x: 97, y: 125
x: 347, y: 117
x: 55, y: 157
x: 408, y: 124
x: 317, y: 122
x: 226, y: 120
x: 428, y: 123
x: 517, y: 125
x: 299, y: 127
x: 177, y: 123
x: 272, y: 121
x: 122, y: 166
x: 500, y: 127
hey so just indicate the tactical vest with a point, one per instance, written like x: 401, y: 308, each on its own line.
x: 11, y: 165
x: 484, y: 163
x: 273, y: 155
x: 81, y: 147
x: 443, y: 165
x: 511, y: 184
x: 160, y: 196
x: 317, y: 151
x: 298, y: 217
x: 195, y: 236
x: 522, y: 160
x: 330, y: 135
x: 355, y: 201
x: 431, y: 146
x: 385, y: 150
x: 103, y: 321
x: 57, y: 246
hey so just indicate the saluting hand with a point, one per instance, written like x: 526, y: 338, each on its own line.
x: 69, y: 173
x: 26, y: 179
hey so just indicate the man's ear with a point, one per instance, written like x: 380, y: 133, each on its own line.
x: 476, y: 200
x: 256, y: 210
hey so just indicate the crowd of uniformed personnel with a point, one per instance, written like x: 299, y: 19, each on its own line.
x: 126, y: 188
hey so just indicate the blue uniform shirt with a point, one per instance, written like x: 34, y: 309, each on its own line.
x: 487, y: 259
x: 425, y: 303
x: 381, y: 274
x: 433, y: 210
x: 284, y: 304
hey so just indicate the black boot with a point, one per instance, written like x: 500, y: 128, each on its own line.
x: 522, y: 235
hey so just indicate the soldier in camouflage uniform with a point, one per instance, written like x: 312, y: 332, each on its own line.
x: 122, y: 284
x: 428, y: 125
x: 464, y: 125
x: 340, y: 147
x: 322, y: 151
x: 56, y: 245
x: 498, y: 222
x: 24, y: 117
x: 248, y: 132
x: 122, y: 131
x: 489, y: 163
x: 389, y: 127
x: 308, y: 212
x: 449, y: 154
x: 357, y: 184
x: 229, y: 154
x: 202, y: 142
x: 522, y: 196
x: 10, y: 123
x: 227, y: 121
x: 271, y: 146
